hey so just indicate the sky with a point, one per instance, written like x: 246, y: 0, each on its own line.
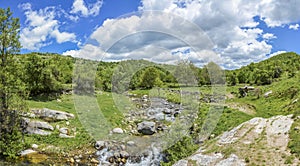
x: 232, y: 33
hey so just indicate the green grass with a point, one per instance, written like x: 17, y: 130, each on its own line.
x: 82, y: 138
x: 86, y: 123
x: 294, y: 143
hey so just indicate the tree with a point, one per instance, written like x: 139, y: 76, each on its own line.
x: 232, y: 78
x: 185, y: 73
x: 151, y: 78
x: 12, y: 90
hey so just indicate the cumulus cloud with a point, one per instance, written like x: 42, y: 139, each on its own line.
x: 269, y: 36
x: 79, y: 7
x: 226, y: 27
x: 294, y: 27
x: 41, y: 25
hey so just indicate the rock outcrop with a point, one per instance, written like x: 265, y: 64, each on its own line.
x: 247, y: 143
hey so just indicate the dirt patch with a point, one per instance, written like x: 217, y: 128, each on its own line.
x: 248, y: 109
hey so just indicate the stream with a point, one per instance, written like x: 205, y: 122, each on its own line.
x: 145, y: 148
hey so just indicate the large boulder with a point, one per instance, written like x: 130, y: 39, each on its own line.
x: 146, y: 128
x: 52, y: 115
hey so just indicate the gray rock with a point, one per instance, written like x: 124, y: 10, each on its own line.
x: 40, y: 125
x: 37, y: 131
x: 146, y: 128
x: 231, y: 160
x: 130, y: 143
x: 117, y: 131
x: 124, y: 154
x: 52, y: 115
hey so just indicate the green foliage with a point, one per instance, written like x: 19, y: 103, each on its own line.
x: 270, y: 70
x: 11, y: 87
x: 150, y: 78
x: 294, y: 143
x: 181, y: 149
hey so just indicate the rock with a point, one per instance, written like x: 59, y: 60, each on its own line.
x: 294, y: 101
x: 34, y: 146
x: 67, y: 123
x: 146, y: 128
x: 27, y: 152
x: 94, y: 161
x: 117, y: 131
x: 124, y: 154
x: 64, y: 130
x: 267, y: 94
x: 52, y: 115
x: 72, y: 160
x: 99, y: 145
x: 57, y: 127
x: 130, y: 143
x: 122, y: 147
x: 40, y: 125
x: 232, y: 160
x: 37, y: 131
x: 181, y: 163
x: 36, y: 127
x: 167, y: 111
x: 65, y: 136
x: 117, y: 155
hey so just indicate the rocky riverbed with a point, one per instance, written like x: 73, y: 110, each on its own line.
x: 153, y: 117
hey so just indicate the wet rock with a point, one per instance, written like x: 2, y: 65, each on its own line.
x: 146, y: 128
x: 124, y: 154
x: 99, y: 145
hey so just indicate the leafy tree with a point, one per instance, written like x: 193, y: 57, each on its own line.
x: 185, y: 74
x: 213, y: 74
x: 151, y: 78
x: 232, y: 78
x: 11, y: 87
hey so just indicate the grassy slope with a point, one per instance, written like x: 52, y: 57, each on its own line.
x: 83, y: 139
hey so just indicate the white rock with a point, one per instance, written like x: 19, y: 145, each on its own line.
x: 34, y: 146
x: 27, y: 152
x: 117, y: 131
x: 65, y: 136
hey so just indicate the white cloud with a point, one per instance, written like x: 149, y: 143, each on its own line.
x: 294, y: 27
x: 40, y: 26
x: 228, y: 27
x: 277, y: 53
x: 79, y: 6
x: 269, y: 36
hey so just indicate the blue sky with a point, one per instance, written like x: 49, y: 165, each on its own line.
x: 231, y: 33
